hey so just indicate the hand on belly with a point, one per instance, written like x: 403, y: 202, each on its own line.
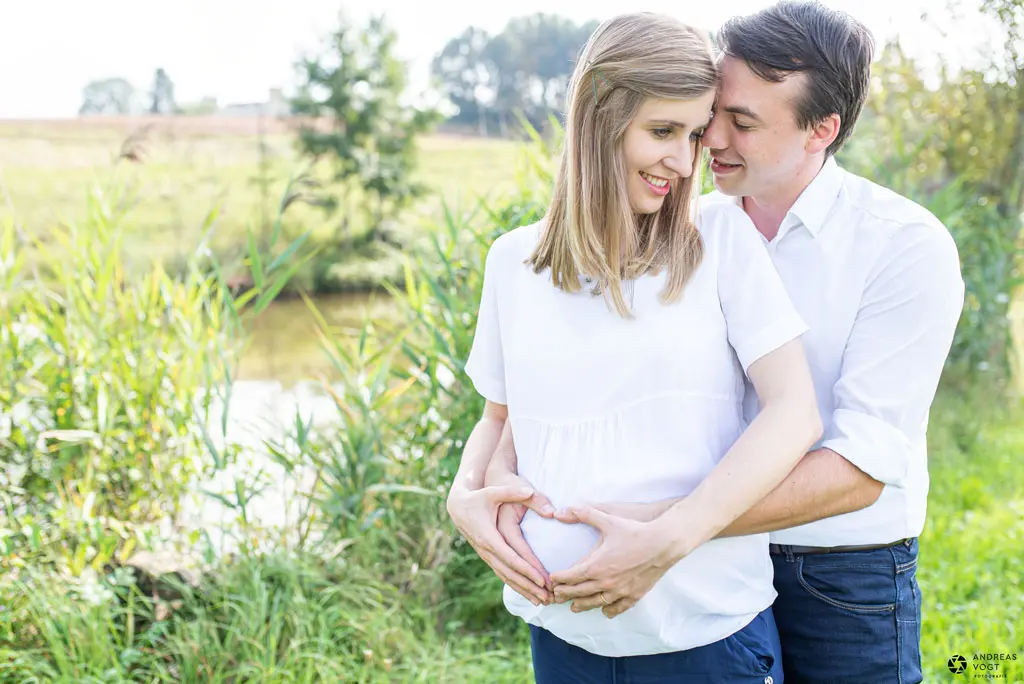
x: 557, y: 545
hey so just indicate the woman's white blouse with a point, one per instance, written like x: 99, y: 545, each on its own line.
x: 608, y: 409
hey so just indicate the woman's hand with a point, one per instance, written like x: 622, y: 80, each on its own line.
x: 628, y: 560
x: 475, y: 514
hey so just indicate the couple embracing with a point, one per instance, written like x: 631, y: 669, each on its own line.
x: 702, y: 456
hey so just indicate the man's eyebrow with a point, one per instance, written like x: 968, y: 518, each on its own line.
x: 742, y: 111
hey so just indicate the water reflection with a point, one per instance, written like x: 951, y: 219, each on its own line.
x: 284, y: 345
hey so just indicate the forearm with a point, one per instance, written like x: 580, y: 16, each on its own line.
x: 476, y: 456
x: 755, y: 465
x: 503, y: 460
x: 822, y: 484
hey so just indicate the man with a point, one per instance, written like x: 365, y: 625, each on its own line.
x: 877, y: 279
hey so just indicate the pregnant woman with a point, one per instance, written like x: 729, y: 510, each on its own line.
x: 611, y: 345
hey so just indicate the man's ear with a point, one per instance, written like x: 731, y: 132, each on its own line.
x: 824, y: 133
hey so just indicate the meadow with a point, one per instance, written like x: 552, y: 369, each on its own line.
x: 178, y: 170
x: 370, y: 583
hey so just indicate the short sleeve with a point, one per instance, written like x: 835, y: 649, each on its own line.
x: 486, y: 363
x: 759, y: 315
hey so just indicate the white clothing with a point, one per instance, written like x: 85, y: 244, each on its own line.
x: 605, y: 408
x: 877, y: 279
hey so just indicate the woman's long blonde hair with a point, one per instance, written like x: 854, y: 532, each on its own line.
x: 590, y: 227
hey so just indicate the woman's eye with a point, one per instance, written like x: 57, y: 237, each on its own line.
x: 697, y: 135
x: 661, y: 133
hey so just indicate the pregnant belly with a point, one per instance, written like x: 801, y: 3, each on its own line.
x: 557, y: 545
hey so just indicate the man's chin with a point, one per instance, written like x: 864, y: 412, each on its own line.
x: 726, y: 185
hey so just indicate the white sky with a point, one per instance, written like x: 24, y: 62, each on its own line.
x: 237, y: 50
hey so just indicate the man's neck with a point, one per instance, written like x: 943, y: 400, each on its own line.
x: 767, y: 211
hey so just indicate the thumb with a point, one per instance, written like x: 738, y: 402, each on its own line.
x: 592, y: 516
x: 541, y: 505
x: 509, y: 493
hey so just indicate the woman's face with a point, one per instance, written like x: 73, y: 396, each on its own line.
x: 659, y: 146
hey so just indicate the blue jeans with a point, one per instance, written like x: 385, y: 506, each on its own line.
x: 750, y: 656
x: 850, y: 618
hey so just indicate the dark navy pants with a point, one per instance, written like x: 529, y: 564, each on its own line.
x: 850, y: 618
x: 750, y: 656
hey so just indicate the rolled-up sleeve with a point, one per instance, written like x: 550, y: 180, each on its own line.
x: 896, y: 351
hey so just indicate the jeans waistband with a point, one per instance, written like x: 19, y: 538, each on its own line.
x: 779, y: 549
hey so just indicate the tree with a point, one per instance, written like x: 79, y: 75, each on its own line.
x: 524, y: 70
x: 1010, y: 14
x: 466, y: 76
x: 957, y: 146
x: 162, y: 95
x: 108, y: 97
x: 353, y: 92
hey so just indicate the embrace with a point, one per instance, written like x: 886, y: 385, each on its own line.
x: 702, y: 456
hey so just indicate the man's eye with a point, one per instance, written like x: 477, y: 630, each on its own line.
x: 741, y: 127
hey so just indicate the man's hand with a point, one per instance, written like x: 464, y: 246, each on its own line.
x: 475, y: 514
x: 510, y: 518
x: 630, y: 557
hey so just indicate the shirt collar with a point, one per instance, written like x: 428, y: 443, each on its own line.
x: 812, y: 206
x: 815, y: 202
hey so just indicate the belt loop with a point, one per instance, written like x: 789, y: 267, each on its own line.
x: 788, y: 550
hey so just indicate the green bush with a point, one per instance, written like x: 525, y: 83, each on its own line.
x: 105, y: 384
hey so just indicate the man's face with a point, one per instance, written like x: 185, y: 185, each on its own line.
x: 755, y: 144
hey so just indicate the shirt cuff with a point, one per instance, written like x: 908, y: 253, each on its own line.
x: 769, y: 339
x: 871, y: 444
x: 489, y: 388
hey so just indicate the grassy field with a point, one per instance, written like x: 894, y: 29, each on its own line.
x: 178, y: 170
x: 361, y: 619
x: 382, y: 612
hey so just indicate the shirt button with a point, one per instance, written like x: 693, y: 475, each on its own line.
x: 769, y: 680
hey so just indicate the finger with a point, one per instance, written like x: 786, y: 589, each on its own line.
x: 509, y: 493
x: 504, y: 552
x: 517, y: 581
x: 589, y: 515
x: 567, y: 516
x: 541, y: 505
x: 618, y: 608
x: 508, y: 526
x: 546, y: 594
x: 579, y: 573
x: 599, y: 600
x: 492, y: 545
x: 568, y: 592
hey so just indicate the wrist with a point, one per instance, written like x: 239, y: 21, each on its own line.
x: 682, y: 531
x: 467, y: 482
x: 497, y: 473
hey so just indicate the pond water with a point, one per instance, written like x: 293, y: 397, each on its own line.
x: 285, y: 346
x: 278, y: 377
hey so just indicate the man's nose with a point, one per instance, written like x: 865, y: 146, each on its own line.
x: 714, y: 135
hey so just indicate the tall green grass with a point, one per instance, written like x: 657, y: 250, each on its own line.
x: 107, y: 374
x: 370, y: 582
